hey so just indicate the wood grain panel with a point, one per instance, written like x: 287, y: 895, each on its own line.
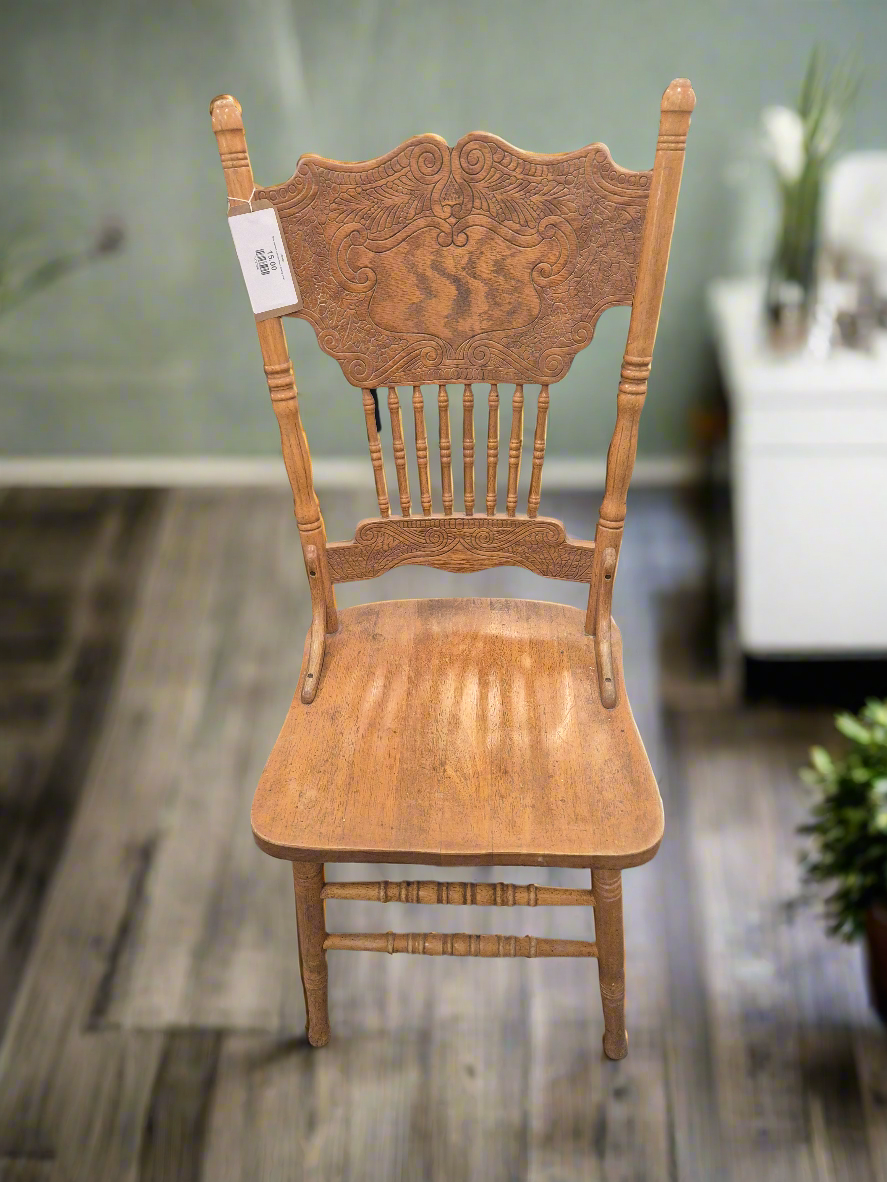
x: 173, y: 1141
x: 71, y: 561
x: 460, y: 543
x: 508, y: 688
x: 64, y: 1089
x: 787, y: 1109
x: 463, y: 1069
x: 479, y: 262
x: 213, y: 947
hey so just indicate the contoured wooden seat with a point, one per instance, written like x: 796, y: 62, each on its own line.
x: 502, y: 751
x: 473, y: 731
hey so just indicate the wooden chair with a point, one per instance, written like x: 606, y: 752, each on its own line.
x: 467, y: 732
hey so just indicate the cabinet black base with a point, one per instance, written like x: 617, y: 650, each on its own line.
x: 839, y: 682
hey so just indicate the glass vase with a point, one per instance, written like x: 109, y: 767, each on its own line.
x: 791, y: 281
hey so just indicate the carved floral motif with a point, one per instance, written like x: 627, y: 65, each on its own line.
x: 473, y: 263
x: 460, y: 544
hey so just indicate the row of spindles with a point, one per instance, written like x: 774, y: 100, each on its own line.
x: 515, y: 448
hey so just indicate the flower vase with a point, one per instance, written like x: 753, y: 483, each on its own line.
x: 791, y: 283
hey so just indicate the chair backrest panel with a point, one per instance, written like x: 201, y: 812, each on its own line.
x: 473, y: 264
x: 476, y: 263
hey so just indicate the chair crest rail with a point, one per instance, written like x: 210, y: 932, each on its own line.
x: 460, y: 894
x: 427, y: 264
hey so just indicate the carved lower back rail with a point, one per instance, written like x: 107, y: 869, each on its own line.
x: 459, y: 544
x: 456, y: 944
x: 460, y: 894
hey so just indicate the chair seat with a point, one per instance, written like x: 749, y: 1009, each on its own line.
x: 460, y: 731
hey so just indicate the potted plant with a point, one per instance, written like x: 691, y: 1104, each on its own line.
x: 848, y: 837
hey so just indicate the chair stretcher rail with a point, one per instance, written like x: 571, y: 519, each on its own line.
x: 456, y: 944
x: 460, y: 894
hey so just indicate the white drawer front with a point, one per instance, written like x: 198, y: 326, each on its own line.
x: 822, y: 428
x: 811, y: 536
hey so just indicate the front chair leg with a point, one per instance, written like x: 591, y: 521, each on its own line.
x: 610, y: 938
x: 311, y: 921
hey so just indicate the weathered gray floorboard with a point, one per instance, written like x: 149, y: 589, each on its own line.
x: 360, y: 1111
x: 214, y: 942
x: 788, y: 1092
x: 26, y: 1169
x: 698, y: 1147
x: 69, y: 565
x: 172, y: 1143
x: 591, y: 1118
x: 753, y: 1021
x: 157, y: 1031
x: 69, y: 1092
x: 843, y: 1049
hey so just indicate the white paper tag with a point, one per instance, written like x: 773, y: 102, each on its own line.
x: 258, y: 240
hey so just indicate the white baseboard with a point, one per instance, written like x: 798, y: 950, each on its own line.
x: 268, y: 472
x: 649, y: 472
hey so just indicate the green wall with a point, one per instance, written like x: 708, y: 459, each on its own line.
x: 105, y: 116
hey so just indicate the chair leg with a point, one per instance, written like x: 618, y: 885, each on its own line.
x: 610, y: 938
x: 308, y: 883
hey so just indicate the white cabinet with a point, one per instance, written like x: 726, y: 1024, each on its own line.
x: 808, y: 459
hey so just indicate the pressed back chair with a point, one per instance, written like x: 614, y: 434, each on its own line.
x: 463, y: 731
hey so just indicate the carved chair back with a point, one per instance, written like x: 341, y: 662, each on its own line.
x: 478, y: 263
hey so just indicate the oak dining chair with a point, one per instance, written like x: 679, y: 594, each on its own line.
x: 462, y: 732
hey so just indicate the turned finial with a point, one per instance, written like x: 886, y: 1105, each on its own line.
x: 226, y: 113
x: 228, y: 127
x: 679, y: 96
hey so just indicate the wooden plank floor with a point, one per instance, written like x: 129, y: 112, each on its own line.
x: 155, y: 1018
x: 69, y: 566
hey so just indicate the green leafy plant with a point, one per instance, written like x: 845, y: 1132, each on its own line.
x: 848, y: 827
x: 19, y: 281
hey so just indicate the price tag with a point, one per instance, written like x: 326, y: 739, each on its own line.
x: 261, y: 252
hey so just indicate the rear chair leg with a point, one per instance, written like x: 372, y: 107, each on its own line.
x: 308, y: 883
x: 609, y: 935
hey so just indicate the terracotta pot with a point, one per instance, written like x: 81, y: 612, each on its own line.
x: 876, y: 956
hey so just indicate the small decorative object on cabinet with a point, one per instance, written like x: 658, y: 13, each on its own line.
x: 848, y: 832
x: 855, y: 236
x: 463, y: 732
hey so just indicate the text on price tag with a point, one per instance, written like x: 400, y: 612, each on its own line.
x: 261, y: 252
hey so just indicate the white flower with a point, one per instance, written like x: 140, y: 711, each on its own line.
x: 784, y: 141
